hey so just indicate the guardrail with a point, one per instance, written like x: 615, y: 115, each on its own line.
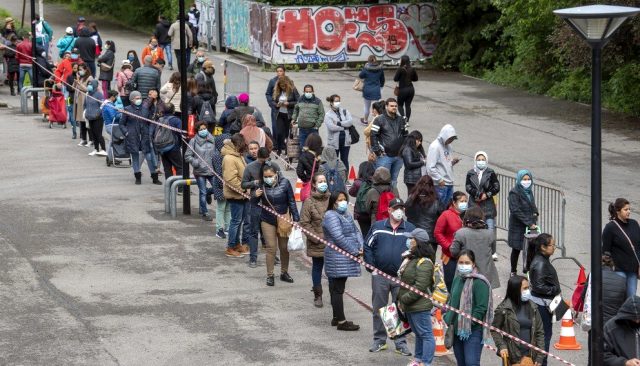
x: 236, y: 79
x: 25, y: 92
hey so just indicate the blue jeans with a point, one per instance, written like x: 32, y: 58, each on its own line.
x: 491, y: 225
x: 166, y: 48
x: 72, y: 120
x: 632, y: 282
x: 316, y: 270
x: 445, y: 194
x: 237, y: 215
x: 25, y: 70
x: 203, y: 191
x: 420, y: 322
x: 251, y: 228
x: 547, y: 325
x: 468, y: 352
x: 302, y: 136
x: 135, y: 162
x: 394, y: 164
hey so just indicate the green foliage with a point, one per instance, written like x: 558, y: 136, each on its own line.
x: 575, y: 86
x: 623, y: 93
x: 309, y: 67
x: 132, y: 13
x: 323, y: 67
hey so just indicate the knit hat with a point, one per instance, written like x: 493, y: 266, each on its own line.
x: 243, y: 98
x: 134, y: 94
x: 69, y: 30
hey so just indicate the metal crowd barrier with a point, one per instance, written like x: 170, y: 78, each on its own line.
x: 236, y: 78
x: 551, y: 205
x: 25, y: 93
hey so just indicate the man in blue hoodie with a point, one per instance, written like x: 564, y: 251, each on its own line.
x: 229, y: 105
x: 383, y: 249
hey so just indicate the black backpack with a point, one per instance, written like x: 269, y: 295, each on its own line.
x: 206, y: 113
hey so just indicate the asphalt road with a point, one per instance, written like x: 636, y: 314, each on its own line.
x: 93, y: 271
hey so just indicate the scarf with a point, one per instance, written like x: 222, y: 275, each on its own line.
x: 466, y: 306
x: 251, y: 132
x: 475, y: 168
x: 527, y: 192
x: 406, y: 258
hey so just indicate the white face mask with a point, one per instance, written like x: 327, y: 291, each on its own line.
x: 398, y: 214
x: 525, y: 184
x: 336, y: 104
x: 465, y: 268
x: 525, y: 295
x: 481, y: 164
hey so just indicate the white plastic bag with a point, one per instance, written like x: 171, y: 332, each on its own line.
x: 296, y: 241
x: 394, y: 326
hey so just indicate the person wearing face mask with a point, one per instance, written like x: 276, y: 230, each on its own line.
x: 283, y: 98
x: 544, y: 283
x: 475, y: 235
x: 523, y: 214
x: 383, y: 249
x: 80, y: 86
x: 106, y: 63
x: 124, y: 75
x: 200, y: 155
x: 207, y: 85
x: 93, y: 114
x: 417, y: 271
x: 414, y: 158
x: 66, y: 43
x: 340, y: 229
x: 440, y: 162
x: 482, y: 185
x: 388, y: 133
x: 233, y: 166
x: 471, y: 294
x: 338, y: 120
x: 311, y: 220
x: 196, y: 66
x: 174, y: 34
x: 308, y: 114
x: 65, y: 67
x: 519, y: 317
x: 381, y: 184
x: 111, y: 113
x: 252, y: 181
x: 621, y: 335
x: 449, y: 222
x: 137, y: 137
x: 621, y: 242
x: 277, y: 195
x: 153, y: 50
x: 71, y: 82
x: 134, y: 60
x: 194, y: 22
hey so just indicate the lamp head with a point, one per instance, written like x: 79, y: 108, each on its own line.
x: 596, y: 23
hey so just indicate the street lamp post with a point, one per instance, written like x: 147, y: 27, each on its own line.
x: 596, y: 24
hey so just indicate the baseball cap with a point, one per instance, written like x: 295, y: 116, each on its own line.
x: 69, y: 30
x: 419, y: 234
x: 81, y: 19
x: 396, y: 202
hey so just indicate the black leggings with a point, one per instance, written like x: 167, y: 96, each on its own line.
x: 172, y: 159
x: 515, y: 254
x: 336, y: 290
x: 283, y: 124
x: 95, y: 130
x: 12, y: 77
x: 404, y: 101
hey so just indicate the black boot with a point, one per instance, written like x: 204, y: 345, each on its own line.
x: 138, y: 176
x: 317, y: 296
x: 154, y: 177
x: 13, y: 91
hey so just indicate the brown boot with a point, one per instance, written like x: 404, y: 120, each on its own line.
x: 317, y: 296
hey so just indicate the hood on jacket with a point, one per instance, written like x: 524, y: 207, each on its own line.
x: 486, y: 157
x: 382, y: 175
x: 629, y: 311
x: 231, y: 102
x: 446, y: 133
x: 200, y: 140
x: 330, y: 157
x: 373, y: 67
x: 165, y: 23
x: 229, y: 149
x: 94, y: 84
x: 84, y: 32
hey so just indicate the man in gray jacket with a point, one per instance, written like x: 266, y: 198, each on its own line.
x: 146, y: 78
x: 440, y: 163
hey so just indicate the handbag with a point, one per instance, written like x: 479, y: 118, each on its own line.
x: 631, y: 244
x: 283, y: 222
x: 305, y: 191
x: 106, y: 67
x: 396, y: 91
x: 355, y: 136
x: 358, y: 84
x: 448, y: 337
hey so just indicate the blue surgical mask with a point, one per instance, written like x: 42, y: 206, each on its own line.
x: 462, y: 206
x: 342, y: 206
x: 322, y: 187
x: 131, y: 58
x: 90, y: 88
x: 138, y: 102
x: 308, y: 95
x: 269, y: 181
x: 74, y: 57
x: 409, y: 243
x: 203, y: 133
x: 481, y: 164
x: 525, y: 295
x: 465, y: 269
x: 200, y: 59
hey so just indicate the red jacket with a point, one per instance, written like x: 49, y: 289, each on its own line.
x: 446, y: 226
x: 24, y: 49
x: 65, y: 68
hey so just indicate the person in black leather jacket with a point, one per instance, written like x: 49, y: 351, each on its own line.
x: 414, y: 159
x: 482, y: 185
x: 543, y: 281
x: 423, y: 208
x: 388, y: 132
x: 523, y: 213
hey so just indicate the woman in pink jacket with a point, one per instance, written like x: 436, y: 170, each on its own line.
x: 125, y: 74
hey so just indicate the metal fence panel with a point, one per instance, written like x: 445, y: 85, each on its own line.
x: 236, y: 78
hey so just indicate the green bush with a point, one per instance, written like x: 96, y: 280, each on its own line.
x: 575, y: 86
x: 622, y: 92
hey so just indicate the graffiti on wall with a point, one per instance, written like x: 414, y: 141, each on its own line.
x: 352, y: 33
x: 235, y: 24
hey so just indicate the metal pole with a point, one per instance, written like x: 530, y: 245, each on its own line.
x: 34, y: 67
x: 596, y: 209
x: 184, y: 115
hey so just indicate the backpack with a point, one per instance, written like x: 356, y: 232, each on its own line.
x: 129, y: 85
x: 163, y: 138
x: 206, y: 113
x: 360, y: 207
x: 236, y: 126
x: 383, y: 204
x: 439, y: 292
x: 335, y: 182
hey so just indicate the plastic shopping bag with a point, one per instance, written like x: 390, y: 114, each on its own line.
x: 394, y: 326
x: 296, y: 242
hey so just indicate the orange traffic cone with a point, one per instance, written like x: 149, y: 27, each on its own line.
x: 298, y: 190
x: 352, y: 174
x: 438, y: 333
x: 582, y: 277
x: 567, y: 334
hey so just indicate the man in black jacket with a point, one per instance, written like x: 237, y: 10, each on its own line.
x: 622, y: 336
x: 87, y: 49
x: 388, y: 132
x: 146, y: 78
x: 280, y: 72
x: 164, y: 41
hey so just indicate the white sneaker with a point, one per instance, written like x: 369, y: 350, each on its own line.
x: 89, y: 144
x: 82, y: 143
x: 94, y: 152
x: 495, y: 257
x: 101, y: 153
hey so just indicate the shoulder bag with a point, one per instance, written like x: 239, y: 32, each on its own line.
x: 283, y: 221
x: 358, y: 84
x: 631, y: 244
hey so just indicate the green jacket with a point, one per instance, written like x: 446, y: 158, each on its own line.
x: 419, y: 274
x: 505, y: 319
x: 479, y: 306
x: 308, y: 113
